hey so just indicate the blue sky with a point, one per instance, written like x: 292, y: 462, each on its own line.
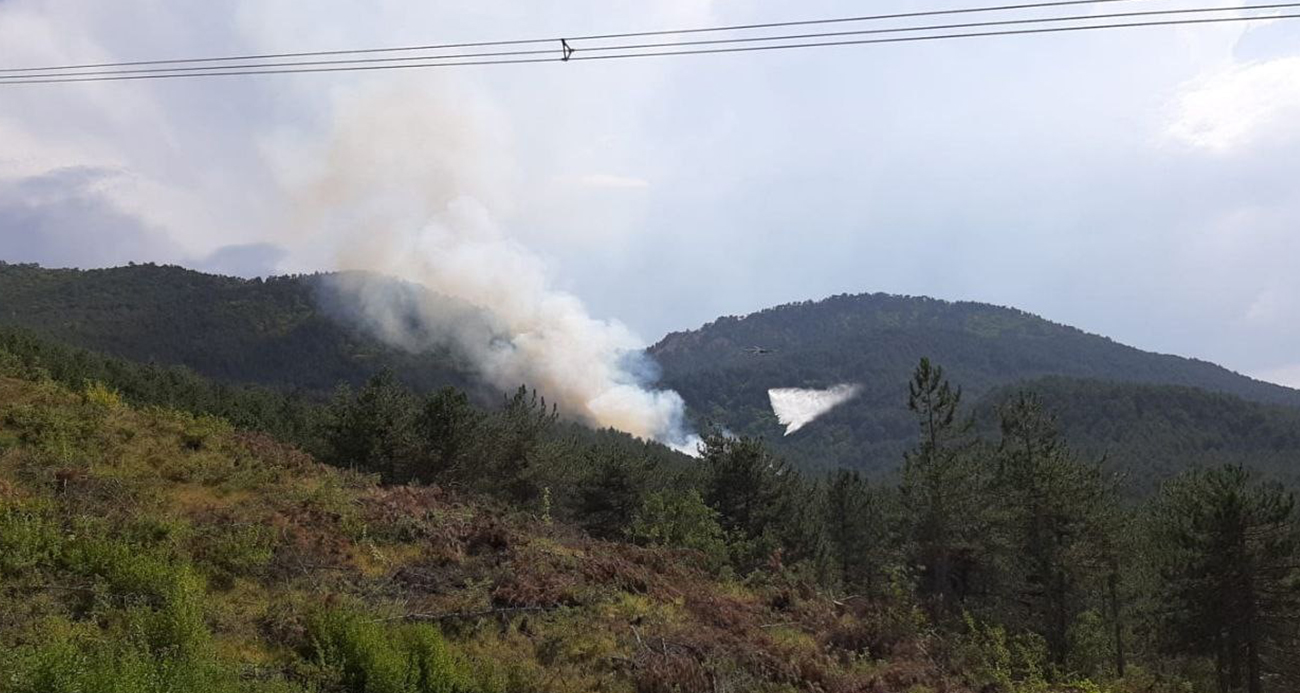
x: 1142, y: 184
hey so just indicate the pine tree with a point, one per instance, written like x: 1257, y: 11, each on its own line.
x: 1054, y: 526
x: 374, y: 429
x: 515, y: 445
x: 857, y: 528
x: 611, y: 491
x: 447, y: 425
x: 940, y: 493
x: 1231, y: 576
x: 762, y: 503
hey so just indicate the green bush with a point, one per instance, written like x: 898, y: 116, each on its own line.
x: 234, y: 550
x: 56, y: 433
x: 1091, y: 645
x: 680, y: 519
x: 366, y: 656
x: 101, y: 397
x: 160, y: 598
x: 202, y: 431
x: 990, y: 657
x: 10, y: 364
x: 68, y: 657
x: 28, y: 541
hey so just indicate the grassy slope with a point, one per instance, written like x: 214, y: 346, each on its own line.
x: 157, y: 537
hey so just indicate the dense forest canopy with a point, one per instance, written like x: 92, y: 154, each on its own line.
x: 873, y: 340
x: 282, y: 331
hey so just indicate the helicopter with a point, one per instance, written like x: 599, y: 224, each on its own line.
x: 757, y: 351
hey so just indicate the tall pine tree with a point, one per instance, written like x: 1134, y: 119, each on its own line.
x: 941, y: 493
x: 1231, y: 577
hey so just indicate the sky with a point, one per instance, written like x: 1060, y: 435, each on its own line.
x: 1141, y: 184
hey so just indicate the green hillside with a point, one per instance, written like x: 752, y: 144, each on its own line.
x: 292, y: 334
x: 405, y: 542
x: 273, y: 332
x: 875, y: 340
x: 1153, y: 432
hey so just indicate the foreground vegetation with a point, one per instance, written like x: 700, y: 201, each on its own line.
x: 437, y: 546
x: 156, y: 551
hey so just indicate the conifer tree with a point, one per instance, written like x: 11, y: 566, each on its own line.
x: 762, y: 503
x: 857, y: 529
x: 1231, y: 576
x: 373, y: 429
x: 939, y: 490
x: 447, y: 425
x: 1053, y: 524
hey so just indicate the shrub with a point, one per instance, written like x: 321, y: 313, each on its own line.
x: 232, y: 550
x: 1091, y: 647
x: 79, y: 658
x: 54, y: 432
x: 366, y: 656
x: 990, y: 657
x: 200, y: 432
x: 10, y: 364
x: 102, y: 397
x: 162, y: 599
x: 680, y: 519
x: 28, y: 540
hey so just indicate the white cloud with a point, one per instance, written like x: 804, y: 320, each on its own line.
x: 1270, y: 305
x: 1282, y: 375
x: 1239, y: 106
x: 611, y: 181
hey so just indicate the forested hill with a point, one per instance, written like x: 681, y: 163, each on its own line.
x: 271, y: 332
x: 876, y: 340
x: 1153, y: 432
x: 275, y: 332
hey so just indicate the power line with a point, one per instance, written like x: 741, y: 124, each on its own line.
x: 674, y: 44
x: 963, y: 25
x: 289, y: 71
x: 938, y: 37
x: 591, y: 37
x: 88, y: 77
x: 250, y: 66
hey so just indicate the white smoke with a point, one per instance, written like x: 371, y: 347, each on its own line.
x: 795, y: 407
x: 411, y: 187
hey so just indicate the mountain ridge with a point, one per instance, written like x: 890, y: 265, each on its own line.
x: 671, y: 342
x: 281, y: 332
x: 875, y: 340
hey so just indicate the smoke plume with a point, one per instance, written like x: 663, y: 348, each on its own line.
x: 796, y: 408
x: 411, y: 187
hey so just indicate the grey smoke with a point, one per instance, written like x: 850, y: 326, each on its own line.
x: 411, y: 187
